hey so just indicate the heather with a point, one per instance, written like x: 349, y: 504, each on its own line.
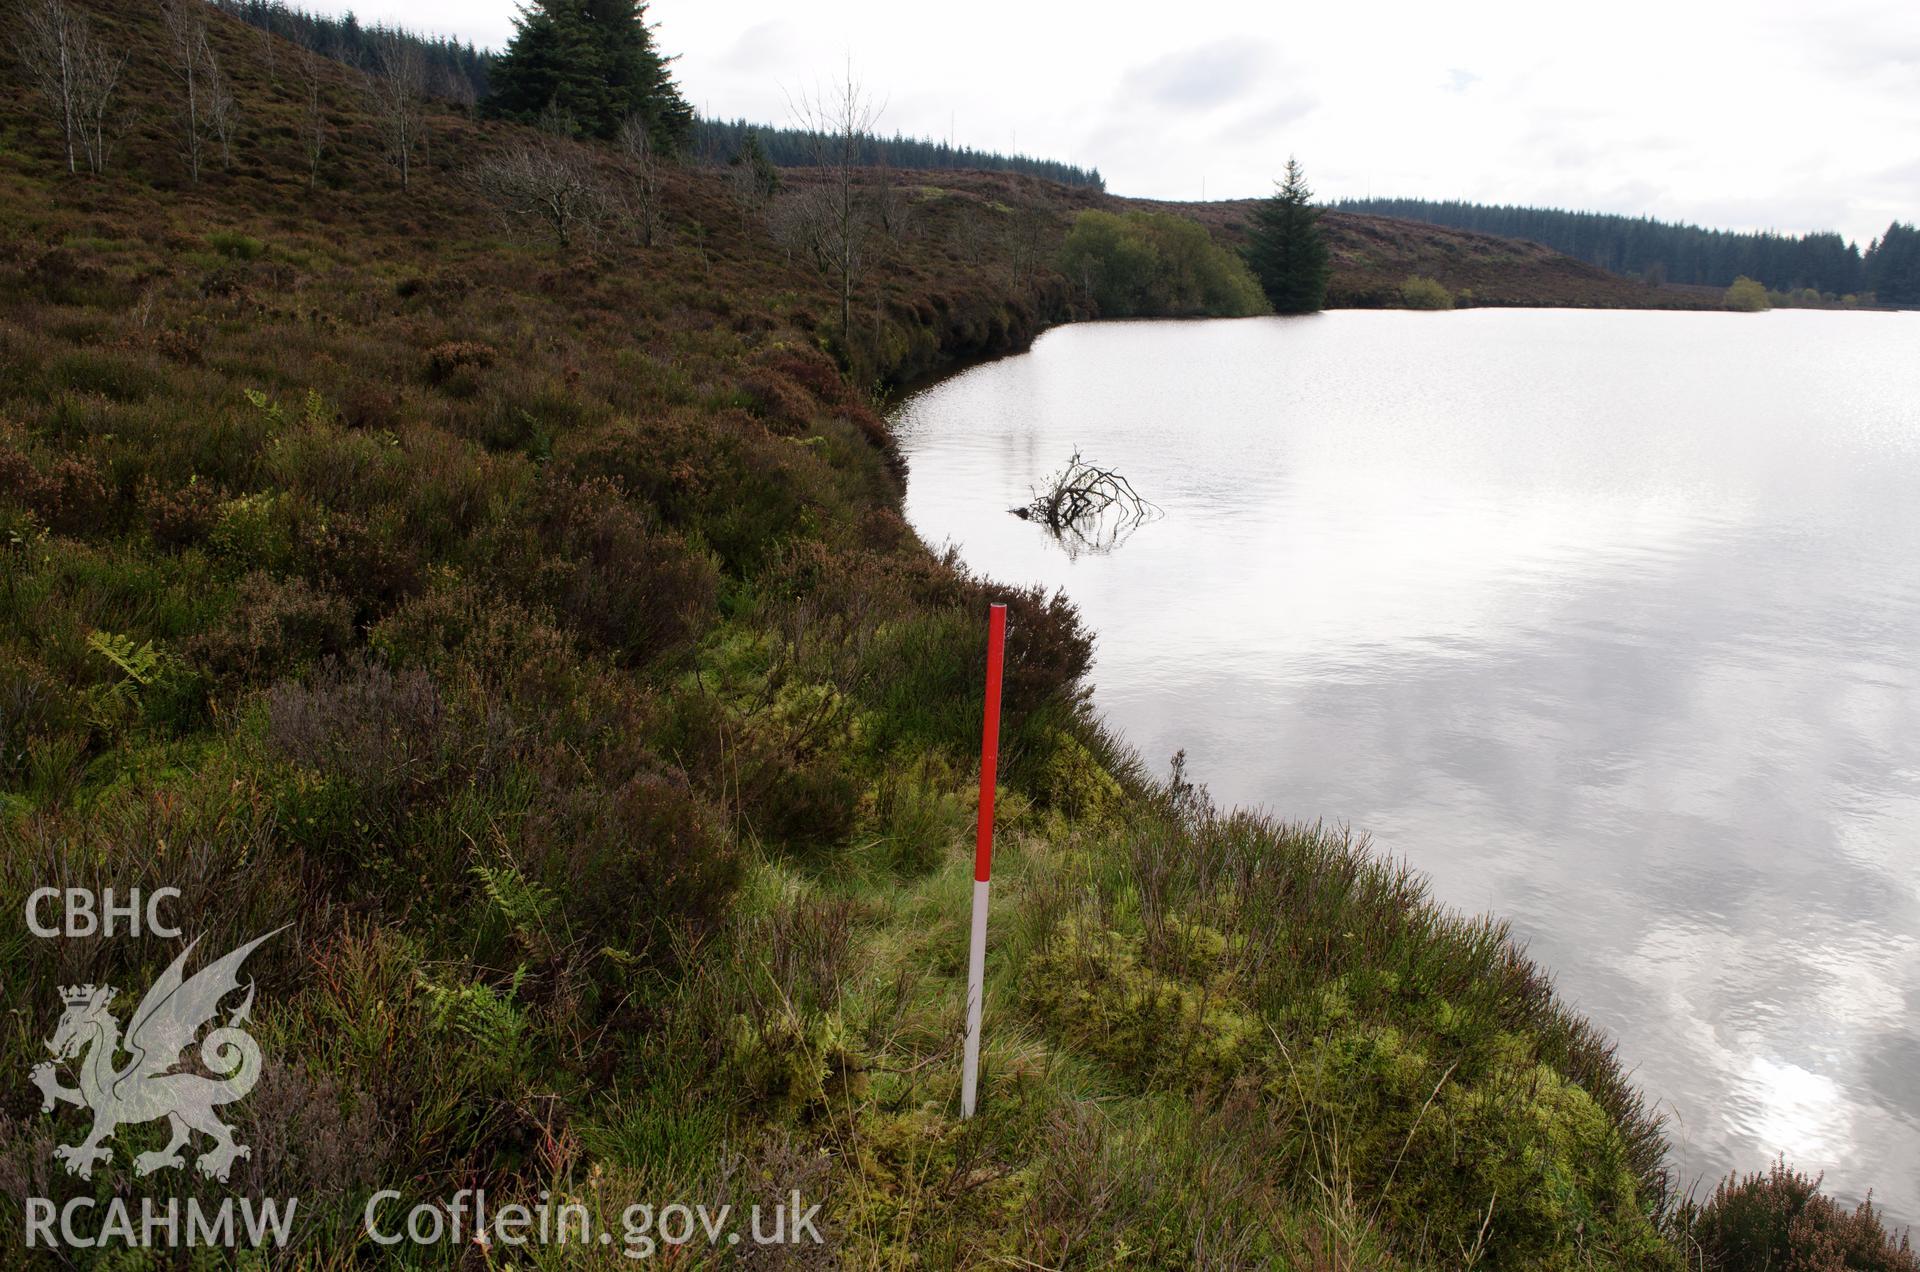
x: 529, y: 628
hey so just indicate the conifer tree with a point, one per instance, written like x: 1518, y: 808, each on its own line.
x: 758, y: 177
x: 1893, y: 266
x: 593, y: 61
x: 1288, y: 253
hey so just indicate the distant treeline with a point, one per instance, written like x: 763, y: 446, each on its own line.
x: 719, y: 141
x: 457, y: 72
x: 1645, y: 247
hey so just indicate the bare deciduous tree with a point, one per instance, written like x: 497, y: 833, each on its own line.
x: 550, y: 184
x: 791, y: 218
x: 313, y: 116
x: 99, y: 77
x: 186, y: 25
x: 269, y: 45
x: 1028, y: 245
x: 223, y: 110
x: 890, y: 202
x: 397, y: 95
x: 839, y: 119
x: 76, y: 73
x: 451, y: 85
x: 637, y: 141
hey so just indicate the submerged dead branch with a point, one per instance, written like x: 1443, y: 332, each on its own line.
x: 1088, y: 508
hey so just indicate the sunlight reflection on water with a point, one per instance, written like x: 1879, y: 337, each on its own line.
x: 1605, y: 621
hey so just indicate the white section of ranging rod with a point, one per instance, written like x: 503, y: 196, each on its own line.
x: 976, y: 990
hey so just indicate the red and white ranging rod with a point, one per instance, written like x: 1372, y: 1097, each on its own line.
x: 983, y: 857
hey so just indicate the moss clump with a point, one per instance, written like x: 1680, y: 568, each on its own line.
x: 790, y: 1063
x: 1514, y: 1158
x: 1090, y: 986
x: 1075, y: 782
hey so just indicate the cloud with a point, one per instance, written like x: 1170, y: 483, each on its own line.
x: 763, y: 46
x: 1275, y: 114
x: 1900, y: 174
x: 1854, y: 51
x: 1199, y: 78
x: 1459, y: 81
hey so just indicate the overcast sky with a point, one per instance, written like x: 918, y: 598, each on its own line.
x: 1777, y: 114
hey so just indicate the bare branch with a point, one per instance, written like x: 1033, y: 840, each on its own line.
x: 1088, y: 508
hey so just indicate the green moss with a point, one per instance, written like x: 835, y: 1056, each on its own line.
x: 1075, y: 782
x: 786, y: 1063
x: 1089, y: 985
x: 1519, y: 1153
x: 236, y: 246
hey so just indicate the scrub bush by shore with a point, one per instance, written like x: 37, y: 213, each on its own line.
x: 1152, y: 265
x: 1425, y: 293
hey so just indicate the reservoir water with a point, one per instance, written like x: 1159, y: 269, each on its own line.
x: 1608, y: 622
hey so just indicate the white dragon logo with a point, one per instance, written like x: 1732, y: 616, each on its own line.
x: 147, y: 1087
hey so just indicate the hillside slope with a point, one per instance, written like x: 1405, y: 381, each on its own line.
x: 1374, y: 255
x: 531, y: 638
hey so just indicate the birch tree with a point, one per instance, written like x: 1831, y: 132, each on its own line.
x: 838, y: 120
x: 74, y: 72
x: 98, y: 78
x: 637, y: 142
x: 313, y: 115
x: 223, y: 109
x: 186, y: 27
x: 397, y: 93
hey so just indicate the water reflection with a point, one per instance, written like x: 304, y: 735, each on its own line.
x: 1088, y: 509
x: 1605, y: 621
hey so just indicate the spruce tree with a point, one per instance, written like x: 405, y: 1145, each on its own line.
x: 593, y: 61
x: 1893, y: 266
x: 1287, y: 253
x: 761, y: 176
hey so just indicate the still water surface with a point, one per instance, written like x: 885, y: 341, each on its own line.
x: 1608, y: 622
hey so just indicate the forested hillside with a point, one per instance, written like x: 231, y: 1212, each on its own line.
x: 722, y: 141
x: 456, y: 72
x: 1646, y: 248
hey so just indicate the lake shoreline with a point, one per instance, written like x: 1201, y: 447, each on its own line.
x: 989, y: 500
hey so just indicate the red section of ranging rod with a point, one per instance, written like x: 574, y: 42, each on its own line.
x: 990, y: 743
